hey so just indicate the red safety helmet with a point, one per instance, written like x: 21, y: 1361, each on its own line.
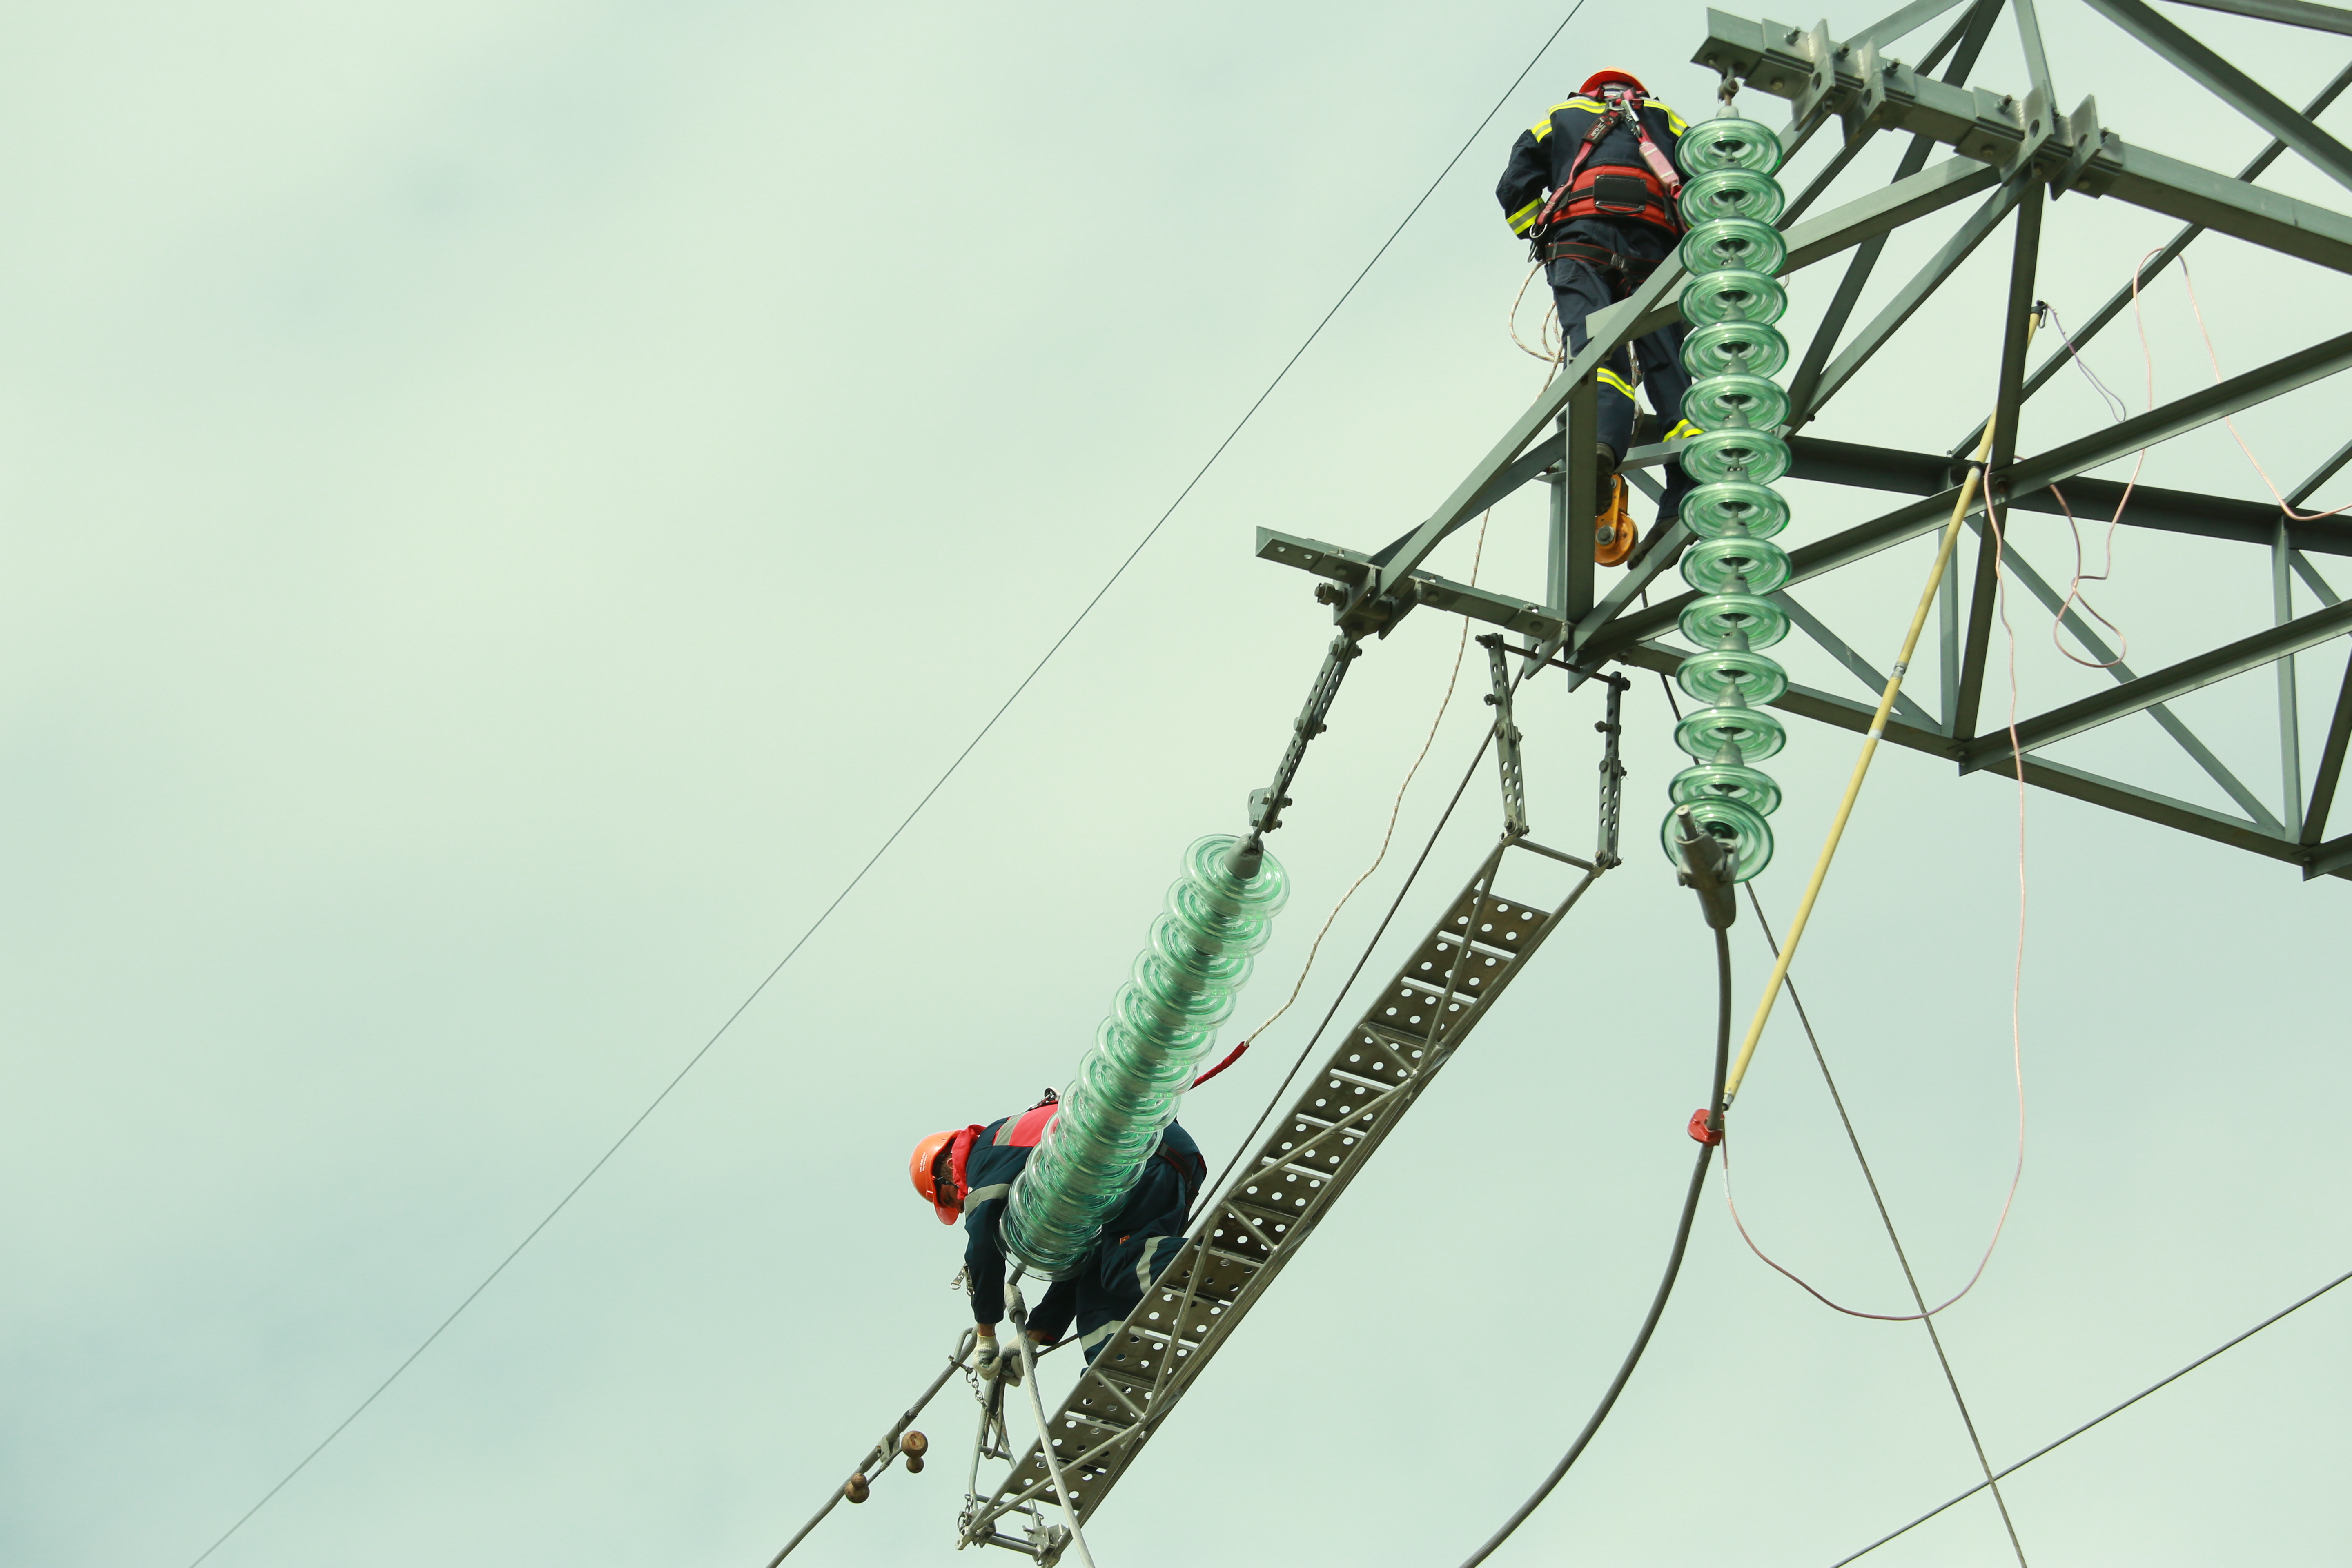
x: 942, y: 1154
x: 1600, y: 78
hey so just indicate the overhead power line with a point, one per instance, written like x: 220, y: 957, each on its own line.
x: 2127, y: 1404
x: 949, y: 771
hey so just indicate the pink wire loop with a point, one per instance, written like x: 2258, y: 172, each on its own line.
x: 2293, y: 515
x: 2016, y: 989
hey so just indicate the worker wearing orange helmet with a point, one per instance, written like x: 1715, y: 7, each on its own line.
x: 1591, y: 188
x: 968, y: 1173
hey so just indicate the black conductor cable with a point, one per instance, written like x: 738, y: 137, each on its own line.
x: 1715, y: 894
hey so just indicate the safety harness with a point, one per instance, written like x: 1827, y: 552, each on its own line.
x: 1646, y: 192
x: 1026, y: 1131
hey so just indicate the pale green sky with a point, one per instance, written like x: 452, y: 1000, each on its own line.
x: 508, y: 503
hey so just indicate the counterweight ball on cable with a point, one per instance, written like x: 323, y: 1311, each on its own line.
x: 1731, y: 300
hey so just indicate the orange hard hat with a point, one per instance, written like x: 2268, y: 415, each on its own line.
x: 925, y: 1167
x: 1602, y: 79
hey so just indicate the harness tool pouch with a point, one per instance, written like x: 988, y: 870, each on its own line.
x: 1616, y: 191
x: 1620, y: 196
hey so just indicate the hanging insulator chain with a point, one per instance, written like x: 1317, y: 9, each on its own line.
x: 1265, y: 805
x: 1733, y: 254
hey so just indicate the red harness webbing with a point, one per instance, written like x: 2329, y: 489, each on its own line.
x: 1585, y: 195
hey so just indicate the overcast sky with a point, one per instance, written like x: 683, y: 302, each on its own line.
x: 509, y: 504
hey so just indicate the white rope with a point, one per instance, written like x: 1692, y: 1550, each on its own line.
x: 1044, y: 1433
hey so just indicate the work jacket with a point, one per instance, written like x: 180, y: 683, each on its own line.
x: 1544, y: 152
x: 1002, y: 1147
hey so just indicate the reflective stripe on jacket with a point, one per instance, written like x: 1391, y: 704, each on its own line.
x: 1546, y: 150
x: 1169, y: 1183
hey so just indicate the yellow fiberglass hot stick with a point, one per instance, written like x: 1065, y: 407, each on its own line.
x: 1960, y: 508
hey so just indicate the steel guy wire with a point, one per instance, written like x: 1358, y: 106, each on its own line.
x: 2127, y: 1404
x: 969, y: 746
x: 1665, y: 1285
x: 1926, y: 1318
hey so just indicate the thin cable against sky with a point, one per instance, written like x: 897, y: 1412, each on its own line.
x: 906, y: 822
x: 2127, y: 1404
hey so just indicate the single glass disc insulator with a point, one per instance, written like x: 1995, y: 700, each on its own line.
x: 1730, y: 507
x: 1261, y: 895
x: 1732, y: 193
x: 1757, y: 456
x: 1206, y: 924
x: 1118, y: 1049
x: 1756, y: 731
x: 1734, y: 294
x: 1750, y: 787
x: 1719, y: 565
x: 1735, y: 348
x: 1747, y: 835
x: 1184, y: 996
x: 1739, y: 242
x: 1712, y: 620
x: 1222, y: 963
x: 1719, y: 676
x: 1728, y: 142
x: 1735, y: 399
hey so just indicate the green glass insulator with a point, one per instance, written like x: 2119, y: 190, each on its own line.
x: 1734, y: 294
x: 1177, y: 998
x: 1224, y: 964
x: 1748, y: 836
x: 1734, y: 242
x: 1123, y: 1058
x: 1728, y: 142
x: 1145, y: 1054
x: 1735, y: 348
x: 1705, y: 731
x: 1721, y: 675
x: 1712, y: 620
x: 1200, y: 915
x: 1261, y: 897
x: 1735, y: 507
x: 1717, y: 401
x: 1732, y: 193
x: 1751, y: 787
x: 1748, y: 566
x: 1757, y: 456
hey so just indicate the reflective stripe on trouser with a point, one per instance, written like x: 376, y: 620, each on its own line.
x: 1115, y: 1283
x: 1577, y: 292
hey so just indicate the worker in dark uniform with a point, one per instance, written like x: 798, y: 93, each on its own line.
x: 1592, y: 187
x: 968, y: 1175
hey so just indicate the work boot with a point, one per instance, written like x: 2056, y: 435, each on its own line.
x: 1613, y: 533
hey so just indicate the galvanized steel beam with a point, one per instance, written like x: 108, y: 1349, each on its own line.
x: 2175, y: 680
x: 2121, y: 671
x: 2145, y: 179
x: 2231, y: 84
x: 1973, y: 231
x: 2017, y: 329
x: 2294, y: 13
x: 2084, y: 332
x: 1650, y: 307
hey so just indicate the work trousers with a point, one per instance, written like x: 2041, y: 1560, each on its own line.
x: 1109, y: 1285
x: 1578, y: 290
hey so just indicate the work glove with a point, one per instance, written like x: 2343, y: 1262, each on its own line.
x: 988, y: 1359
